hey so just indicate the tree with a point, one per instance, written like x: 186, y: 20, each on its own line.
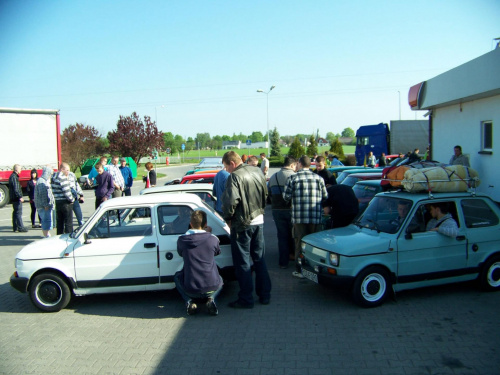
x: 312, y: 148
x: 169, y: 141
x: 202, y: 140
x: 135, y: 138
x: 348, y: 133
x: 330, y: 137
x: 296, y: 149
x: 80, y: 142
x: 336, y: 149
x: 275, y: 142
x: 257, y: 137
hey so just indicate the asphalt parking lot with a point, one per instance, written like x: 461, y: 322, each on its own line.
x: 307, y: 329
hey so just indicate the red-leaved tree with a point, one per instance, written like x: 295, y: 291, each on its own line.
x: 79, y: 143
x: 135, y: 138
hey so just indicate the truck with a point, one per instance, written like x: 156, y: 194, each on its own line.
x: 30, y: 138
x: 402, y: 136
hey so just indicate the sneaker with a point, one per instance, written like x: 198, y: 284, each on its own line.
x: 191, y: 308
x: 212, y: 307
x: 297, y: 275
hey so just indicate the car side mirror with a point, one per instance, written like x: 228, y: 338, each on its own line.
x: 86, y: 239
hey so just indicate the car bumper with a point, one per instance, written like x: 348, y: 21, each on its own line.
x: 19, y: 283
x: 324, y: 278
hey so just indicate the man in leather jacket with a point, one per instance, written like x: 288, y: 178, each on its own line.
x: 243, y: 204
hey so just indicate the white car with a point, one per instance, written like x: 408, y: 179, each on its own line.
x: 204, y: 191
x: 128, y: 245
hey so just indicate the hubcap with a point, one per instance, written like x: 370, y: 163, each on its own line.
x: 494, y: 275
x: 49, y: 293
x: 373, y: 287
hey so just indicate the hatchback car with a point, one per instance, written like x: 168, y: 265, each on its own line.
x: 199, y: 178
x: 128, y: 245
x: 344, y: 174
x: 353, y: 178
x: 204, y: 191
x: 389, y: 249
x: 365, y: 190
x: 210, y: 162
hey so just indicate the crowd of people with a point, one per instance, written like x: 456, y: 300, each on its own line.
x: 302, y: 202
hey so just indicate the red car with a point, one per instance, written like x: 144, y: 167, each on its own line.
x: 198, y: 178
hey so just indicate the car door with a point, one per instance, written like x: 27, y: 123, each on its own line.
x: 424, y: 256
x: 120, y: 251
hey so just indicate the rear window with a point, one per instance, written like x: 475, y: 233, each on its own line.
x: 478, y: 213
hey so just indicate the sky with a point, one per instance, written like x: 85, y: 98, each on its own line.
x: 196, y: 66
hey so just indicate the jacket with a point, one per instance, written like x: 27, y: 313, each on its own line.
x: 244, y: 197
x: 43, y: 190
x: 15, y: 190
x: 276, y: 187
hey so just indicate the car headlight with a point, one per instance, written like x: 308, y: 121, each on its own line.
x: 303, y: 246
x: 18, y: 263
x: 334, y: 259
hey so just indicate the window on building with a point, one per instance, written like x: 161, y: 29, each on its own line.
x: 487, y: 135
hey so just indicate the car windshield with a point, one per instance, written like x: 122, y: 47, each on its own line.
x: 385, y: 214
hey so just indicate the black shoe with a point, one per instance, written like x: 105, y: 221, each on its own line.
x: 265, y: 301
x: 191, y: 308
x: 238, y: 305
x: 22, y: 230
x: 212, y: 307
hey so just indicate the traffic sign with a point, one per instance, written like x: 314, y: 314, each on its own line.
x: 183, y: 146
x: 249, y: 142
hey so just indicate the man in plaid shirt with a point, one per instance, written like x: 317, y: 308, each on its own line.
x: 306, y: 190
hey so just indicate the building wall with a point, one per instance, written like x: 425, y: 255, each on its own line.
x: 454, y: 127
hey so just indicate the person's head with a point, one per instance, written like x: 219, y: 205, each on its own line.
x: 458, y: 150
x: 326, y: 154
x: 253, y: 161
x: 401, y: 156
x: 16, y: 168
x: 370, y: 153
x: 262, y: 155
x: 304, y: 162
x: 103, y: 160
x: 383, y: 153
x: 34, y: 174
x: 438, y: 209
x: 244, y: 158
x: 403, y: 208
x: 290, y: 162
x: 64, y: 168
x: 114, y: 160
x: 47, y: 172
x: 416, y: 151
x: 320, y: 163
x: 123, y: 162
x: 231, y: 160
x: 198, y: 219
x: 149, y: 166
x: 99, y: 168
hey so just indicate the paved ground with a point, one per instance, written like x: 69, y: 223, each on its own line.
x: 307, y: 329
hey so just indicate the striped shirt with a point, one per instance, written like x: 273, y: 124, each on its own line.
x: 117, y: 175
x: 306, y: 190
x: 61, y: 188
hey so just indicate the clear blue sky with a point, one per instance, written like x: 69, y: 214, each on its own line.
x: 335, y: 64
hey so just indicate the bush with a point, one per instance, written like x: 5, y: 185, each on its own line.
x: 276, y: 161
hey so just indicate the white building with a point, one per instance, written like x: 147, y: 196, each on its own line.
x: 464, y: 109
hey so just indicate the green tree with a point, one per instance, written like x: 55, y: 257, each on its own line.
x: 348, y: 133
x: 202, y: 140
x: 275, y: 143
x: 169, y: 141
x: 257, y: 137
x: 330, y: 137
x: 337, y: 149
x: 296, y: 149
x: 312, y: 147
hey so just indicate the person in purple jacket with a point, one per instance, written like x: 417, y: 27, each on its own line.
x: 199, y: 279
x: 105, y: 188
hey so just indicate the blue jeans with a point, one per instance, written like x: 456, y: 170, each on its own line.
x: 78, y: 211
x: 17, y: 215
x: 189, y: 296
x: 286, y: 245
x: 245, y: 245
x: 46, y: 216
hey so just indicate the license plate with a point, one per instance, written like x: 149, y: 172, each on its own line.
x: 310, y: 275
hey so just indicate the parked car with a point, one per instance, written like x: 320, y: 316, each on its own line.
x: 129, y: 244
x: 342, y: 176
x: 355, y: 177
x: 377, y: 254
x: 202, y: 170
x: 418, y: 164
x: 365, y: 190
x: 199, y: 178
x: 204, y: 191
x: 210, y: 162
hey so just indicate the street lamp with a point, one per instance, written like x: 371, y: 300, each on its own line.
x: 267, y: 110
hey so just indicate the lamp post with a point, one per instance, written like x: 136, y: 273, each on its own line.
x: 267, y: 111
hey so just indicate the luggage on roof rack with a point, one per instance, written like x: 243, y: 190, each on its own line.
x: 444, y: 179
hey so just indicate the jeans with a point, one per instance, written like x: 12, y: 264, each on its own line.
x: 78, y: 211
x: 127, y: 192
x: 17, y: 216
x: 286, y: 246
x: 46, y: 216
x: 64, y: 213
x: 299, y: 231
x: 245, y: 245
x: 189, y: 296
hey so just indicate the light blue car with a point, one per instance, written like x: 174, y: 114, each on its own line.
x: 391, y: 248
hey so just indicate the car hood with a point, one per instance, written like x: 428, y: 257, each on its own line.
x: 53, y: 247
x: 350, y: 241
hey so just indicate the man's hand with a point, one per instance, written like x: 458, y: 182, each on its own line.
x: 21, y: 200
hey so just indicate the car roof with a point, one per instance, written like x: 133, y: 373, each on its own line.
x: 362, y: 170
x: 152, y: 199
x: 424, y: 195
x: 366, y: 175
x: 177, y: 188
x: 369, y: 182
x: 198, y: 176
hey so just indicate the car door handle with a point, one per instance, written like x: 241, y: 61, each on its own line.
x: 149, y: 245
x: 460, y: 238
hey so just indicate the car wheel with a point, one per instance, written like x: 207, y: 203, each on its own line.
x: 490, y: 274
x: 4, y: 195
x: 371, y: 287
x: 49, y: 292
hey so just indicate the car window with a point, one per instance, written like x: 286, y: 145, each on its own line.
x: 123, y: 222
x: 174, y: 219
x: 206, y: 197
x: 419, y: 220
x: 478, y: 213
x: 385, y: 214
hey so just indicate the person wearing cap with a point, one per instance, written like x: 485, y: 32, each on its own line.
x: 127, y: 177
